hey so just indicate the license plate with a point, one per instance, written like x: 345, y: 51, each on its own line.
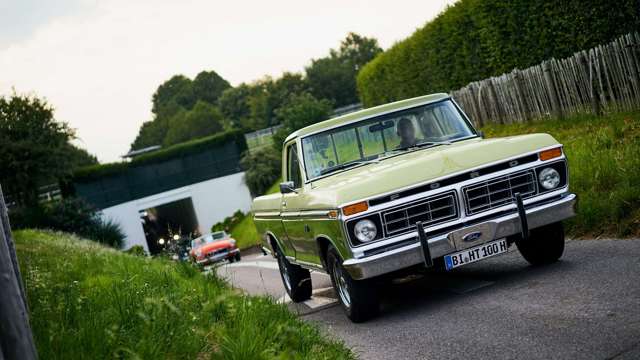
x: 474, y: 254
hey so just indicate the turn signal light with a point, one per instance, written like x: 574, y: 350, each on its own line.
x: 355, y: 208
x: 550, y: 154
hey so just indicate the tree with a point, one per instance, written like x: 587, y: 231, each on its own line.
x: 334, y: 77
x: 234, y: 104
x: 33, y: 147
x: 208, y: 86
x: 204, y: 119
x: 262, y: 169
x: 299, y: 111
x: 176, y: 91
x: 79, y: 157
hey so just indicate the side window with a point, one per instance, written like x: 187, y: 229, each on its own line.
x: 293, y: 166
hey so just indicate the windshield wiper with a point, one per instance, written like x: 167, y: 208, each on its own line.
x: 346, y: 165
x: 425, y: 144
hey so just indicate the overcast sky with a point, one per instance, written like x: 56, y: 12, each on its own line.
x: 99, y: 62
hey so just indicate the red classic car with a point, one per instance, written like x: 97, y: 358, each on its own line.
x: 214, y: 247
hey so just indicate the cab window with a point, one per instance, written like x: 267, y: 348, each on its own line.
x: 293, y: 168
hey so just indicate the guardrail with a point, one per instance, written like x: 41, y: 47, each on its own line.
x: 16, y: 340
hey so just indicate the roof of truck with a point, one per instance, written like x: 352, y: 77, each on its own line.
x: 367, y: 113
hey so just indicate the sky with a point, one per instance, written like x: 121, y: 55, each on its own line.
x: 99, y: 62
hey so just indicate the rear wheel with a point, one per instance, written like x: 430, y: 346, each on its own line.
x: 359, y: 298
x: 238, y: 256
x: 296, y: 280
x: 544, y: 246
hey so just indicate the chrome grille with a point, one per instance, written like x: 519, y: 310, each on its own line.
x: 498, y: 191
x: 431, y: 211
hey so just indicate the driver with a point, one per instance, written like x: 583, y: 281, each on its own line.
x: 407, y: 133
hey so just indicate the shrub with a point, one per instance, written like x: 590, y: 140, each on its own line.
x: 71, y: 215
x: 229, y: 222
x: 262, y: 169
x: 476, y: 39
x: 136, y: 250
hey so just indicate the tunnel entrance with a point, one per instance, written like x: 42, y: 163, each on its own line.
x: 163, y: 222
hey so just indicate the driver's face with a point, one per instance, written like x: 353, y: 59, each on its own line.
x: 407, y: 132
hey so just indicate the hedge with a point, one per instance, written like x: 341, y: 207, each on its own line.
x: 476, y: 39
x: 94, y: 172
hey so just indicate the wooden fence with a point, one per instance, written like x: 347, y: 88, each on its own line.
x: 603, y: 79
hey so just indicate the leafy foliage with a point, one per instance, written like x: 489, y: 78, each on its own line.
x: 262, y: 168
x: 476, y: 39
x: 179, y: 108
x: 229, y: 222
x: 300, y: 111
x: 34, y: 147
x: 90, y: 173
x: 70, y: 215
x: 334, y: 77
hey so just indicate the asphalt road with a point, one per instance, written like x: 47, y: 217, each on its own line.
x: 587, y: 306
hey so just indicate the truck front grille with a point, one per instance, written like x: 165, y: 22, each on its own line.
x: 431, y: 211
x: 498, y: 191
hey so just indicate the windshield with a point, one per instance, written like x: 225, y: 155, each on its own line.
x: 371, y: 139
x: 207, y: 239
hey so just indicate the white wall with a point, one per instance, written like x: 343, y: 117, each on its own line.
x: 213, y: 200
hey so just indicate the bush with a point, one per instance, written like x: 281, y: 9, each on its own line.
x: 262, y: 169
x: 136, y: 250
x: 71, y: 215
x: 476, y: 39
x: 229, y: 222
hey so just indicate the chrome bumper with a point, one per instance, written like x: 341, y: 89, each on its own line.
x: 443, y: 244
x: 219, y: 257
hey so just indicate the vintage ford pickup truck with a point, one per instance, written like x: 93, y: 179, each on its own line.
x: 405, y: 185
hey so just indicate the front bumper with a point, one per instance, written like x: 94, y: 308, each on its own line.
x: 443, y: 244
x: 218, y: 257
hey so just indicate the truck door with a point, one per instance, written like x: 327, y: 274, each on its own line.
x: 292, y: 204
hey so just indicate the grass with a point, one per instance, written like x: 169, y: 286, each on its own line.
x: 604, y: 160
x: 89, y: 301
x: 245, y: 233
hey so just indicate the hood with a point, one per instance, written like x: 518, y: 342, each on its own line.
x: 220, y: 244
x: 421, y: 166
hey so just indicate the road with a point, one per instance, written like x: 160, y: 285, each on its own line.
x: 587, y: 306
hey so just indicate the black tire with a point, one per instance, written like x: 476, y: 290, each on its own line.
x: 359, y: 298
x: 296, y: 280
x: 544, y: 246
x: 238, y: 256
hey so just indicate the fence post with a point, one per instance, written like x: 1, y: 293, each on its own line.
x: 16, y: 340
x: 587, y: 66
x: 496, y: 103
x: 553, y: 92
x: 517, y: 77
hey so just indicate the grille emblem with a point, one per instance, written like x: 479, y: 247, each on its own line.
x: 394, y: 196
x: 513, y: 163
x: 434, y: 186
x: 474, y: 174
x: 472, y: 236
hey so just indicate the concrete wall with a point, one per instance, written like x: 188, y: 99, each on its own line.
x: 213, y: 200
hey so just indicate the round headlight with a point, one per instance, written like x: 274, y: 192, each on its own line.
x: 365, y: 230
x: 549, y: 178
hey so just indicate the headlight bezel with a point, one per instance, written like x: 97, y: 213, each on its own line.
x: 549, y: 178
x: 561, y: 167
x: 365, y: 231
x: 351, y: 223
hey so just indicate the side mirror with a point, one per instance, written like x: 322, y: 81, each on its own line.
x: 287, y: 187
x: 481, y: 133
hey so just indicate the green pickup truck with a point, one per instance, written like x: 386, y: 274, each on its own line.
x: 410, y: 184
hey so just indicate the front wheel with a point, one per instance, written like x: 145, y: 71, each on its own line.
x: 544, y: 246
x: 359, y: 298
x: 296, y: 280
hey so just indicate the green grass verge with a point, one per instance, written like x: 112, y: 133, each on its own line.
x: 245, y: 233
x: 604, y: 160
x: 92, y: 302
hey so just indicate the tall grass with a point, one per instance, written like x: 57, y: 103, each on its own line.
x: 604, y: 167
x: 90, y: 302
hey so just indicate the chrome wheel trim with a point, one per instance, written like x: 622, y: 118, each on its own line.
x: 283, y: 272
x: 341, y: 285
